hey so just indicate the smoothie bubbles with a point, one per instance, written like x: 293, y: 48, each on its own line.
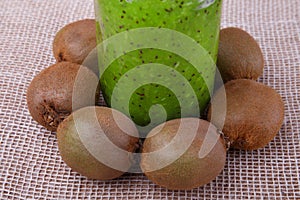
x: 157, y: 57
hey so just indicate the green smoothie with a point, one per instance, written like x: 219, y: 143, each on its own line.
x: 198, y: 19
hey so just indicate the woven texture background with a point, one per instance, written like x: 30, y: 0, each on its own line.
x: 31, y: 166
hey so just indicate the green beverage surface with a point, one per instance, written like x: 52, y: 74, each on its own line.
x: 186, y: 16
x: 192, y: 18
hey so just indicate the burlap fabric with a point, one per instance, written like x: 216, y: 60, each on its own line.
x: 31, y: 167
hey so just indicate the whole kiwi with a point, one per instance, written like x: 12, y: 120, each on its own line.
x: 75, y: 41
x: 183, y: 154
x: 254, y: 113
x: 58, y: 90
x: 239, y: 55
x: 97, y: 142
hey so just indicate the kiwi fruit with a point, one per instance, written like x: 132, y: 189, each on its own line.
x: 183, y: 154
x: 58, y: 90
x: 75, y: 41
x: 239, y: 55
x: 97, y: 142
x: 254, y: 113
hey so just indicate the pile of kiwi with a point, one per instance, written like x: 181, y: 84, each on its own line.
x: 181, y: 154
x: 252, y: 112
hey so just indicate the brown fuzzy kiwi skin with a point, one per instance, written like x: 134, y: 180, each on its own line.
x: 75, y: 41
x: 255, y: 113
x: 239, y: 55
x: 50, y: 94
x: 75, y: 154
x: 188, y: 171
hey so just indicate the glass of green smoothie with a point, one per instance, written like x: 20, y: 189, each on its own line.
x: 157, y: 57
